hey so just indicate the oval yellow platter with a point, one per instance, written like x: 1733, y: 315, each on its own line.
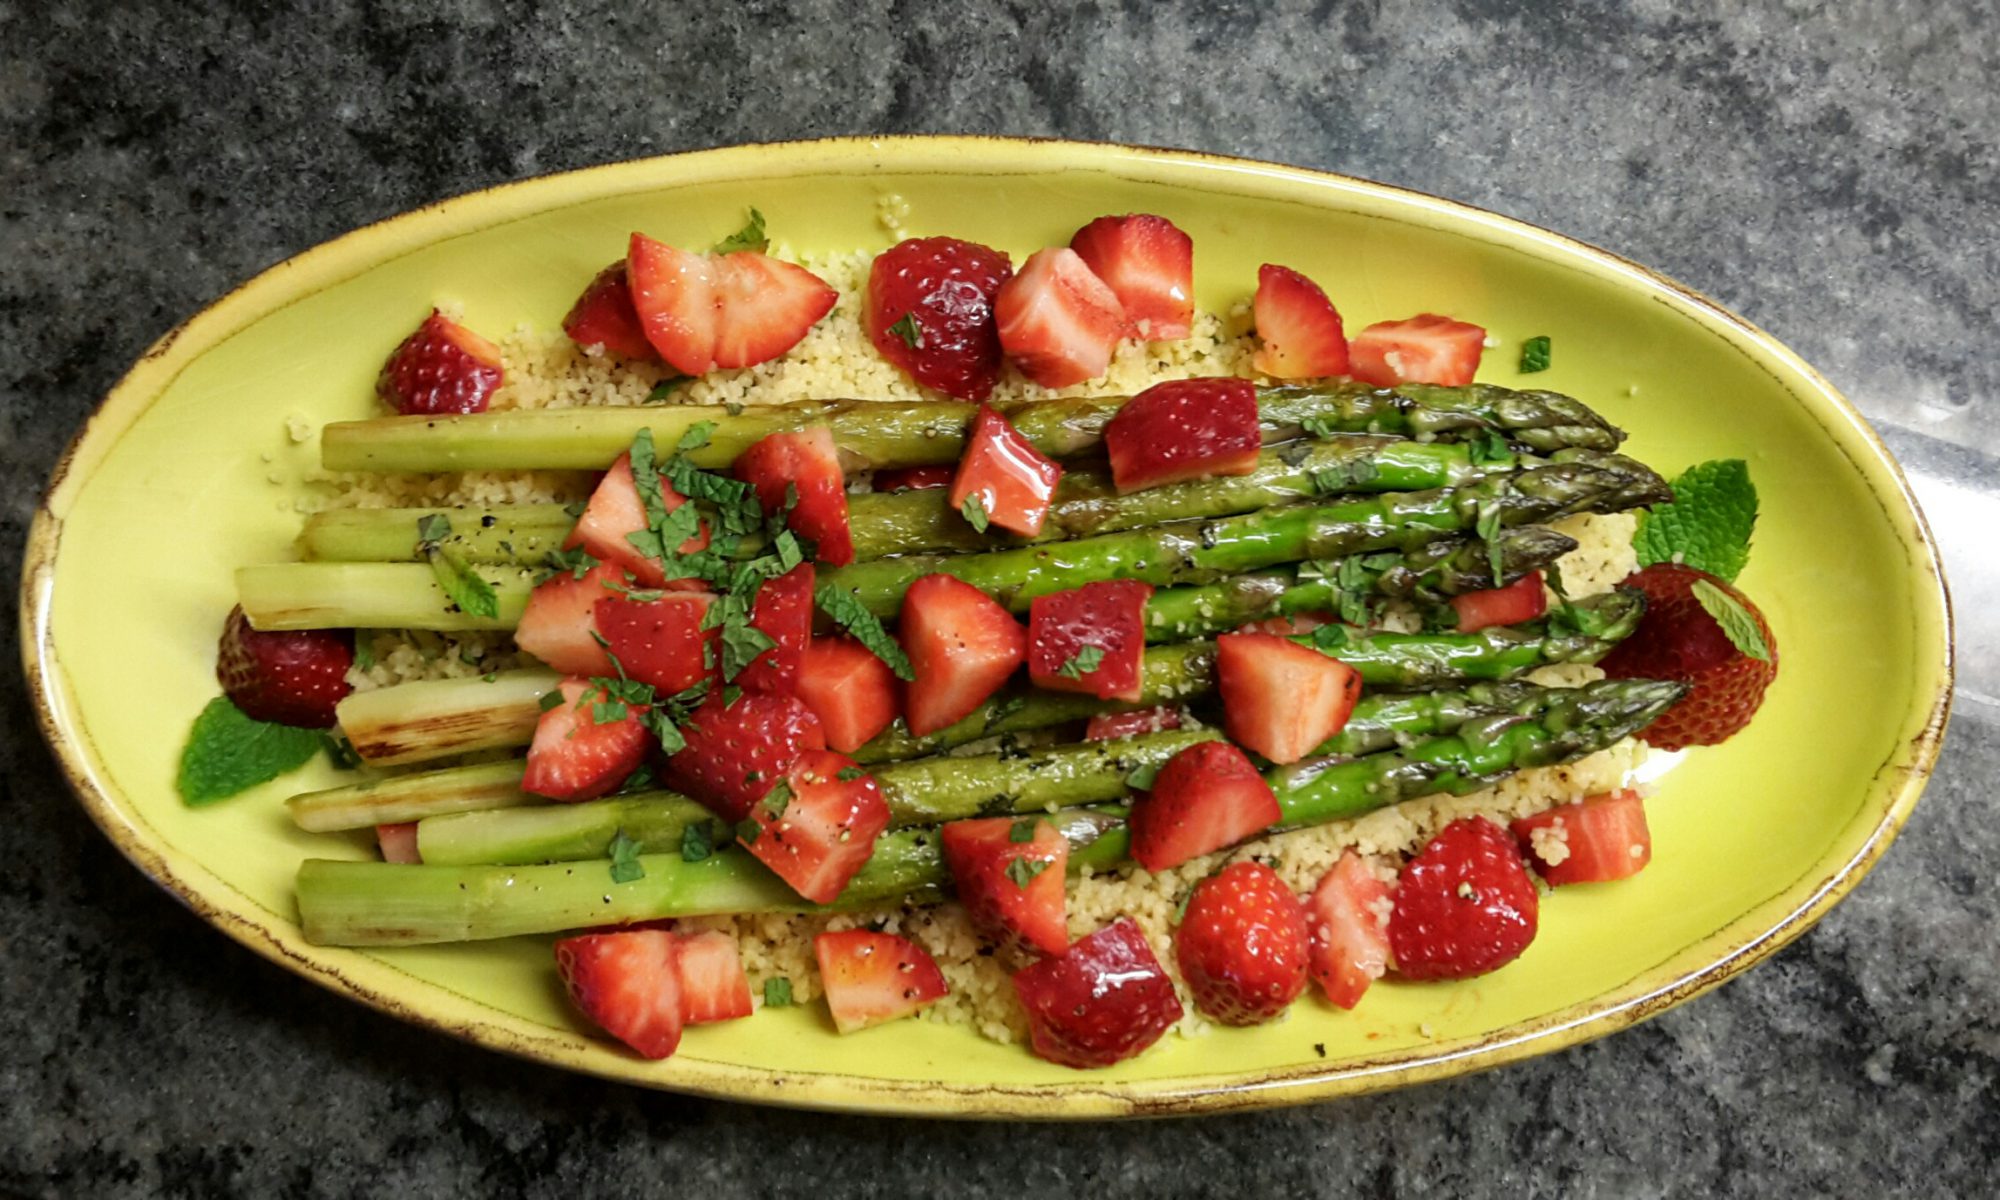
x: 187, y: 471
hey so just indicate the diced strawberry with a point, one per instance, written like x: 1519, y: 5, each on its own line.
x: 1242, y: 945
x: 818, y: 830
x: 1012, y: 480
x: 962, y: 646
x: 1101, y: 1001
x: 784, y: 613
x: 1595, y: 840
x: 398, y: 842
x: 913, y: 479
x: 1279, y: 698
x: 807, y: 461
x: 1464, y: 904
x: 1148, y: 263
x: 1522, y: 600
x: 874, y: 977
x: 660, y: 641
x: 1106, y: 727
x: 930, y: 312
x: 713, y: 985
x: 1017, y: 905
x: 1301, y: 330
x: 851, y: 691
x: 629, y: 983
x: 673, y: 291
x: 1058, y: 322
x: 584, y: 746
x: 290, y: 676
x: 615, y: 511
x: 603, y: 316
x: 559, y: 624
x: 736, y: 752
x: 441, y: 368
x: 1678, y: 639
x: 1206, y: 798
x: 1064, y: 628
x: 1425, y: 348
x: 1349, y: 917
x: 1184, y: 429
x: 733, y: 310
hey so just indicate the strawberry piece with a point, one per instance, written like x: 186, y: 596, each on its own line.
x: 398, y: 842
x: 1301, y: 330
x: 783, y: 612
x: 673, y: 291
x: 614, y: 512
x: 767, y: 306
x: 929, y: 311
x: 874, y: 977
x: 1107, y: 727
x: 1017, y: 905
x: 1595, y: 840
x: 1349, y: 918
x: 913, y: 479
x: 1279, y: 698
x: 441, y: 368
x: 1101, y: 1001
x: 290, y: 676
x: 1522, y: 600
x: 1425, y: 348
x: 1108, y: 617
x: 1678, y: 639
x: 1464, y: 904
x: 1242, y: 945
x: 1184, y: 429
x: 660, y: 642
x: 1148, y: 263
x: 629, y: 983
x: 1296, y: 625
x: 1013, y: 481
x: 713, y: 984
x: 1058, y: 322
x: 818, y: 830
x: 807, y: 461
x: 962, y: 646
x: 736, y: 752
x: 850, y: 690
x: 559, y: 624
x: 579, y: 755
x: 1206, y: 797
x: 603, y: 316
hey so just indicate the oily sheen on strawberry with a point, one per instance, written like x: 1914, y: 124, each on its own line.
x: 1089, y: 639
x: 929, y: 311
x: 1002, y: 473
x: 962, y: 646
x: 1099, y: 1002
x: 1300, y: 330
x: 1059, y: 323
x: 1594, y: 840
x: 1426, y: 348
x: 1184, y: 429
x: 1207, y: 797
x: 818, y: 829
x: 291, y: 677
x: 603, y: 316
x: 736, y: 752
x: 1464, y: 904
x: 1348, y: 916
x: 1148, y: 263
x: 1678, y: 639
x: 585, y: 745
x: 804, y: 467
x: 874, y: 977
x: 1008, y: 872
x: 1242, y: 945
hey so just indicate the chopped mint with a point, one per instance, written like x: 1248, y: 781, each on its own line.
x: 664, y: 390
x: 851, y: 614
x: 747, y: 830
x: 364, y: 648
x: 625, y: 865
x: 228, y: 752
x: 339, y: 751
x: 696, y: 841
x: 974, y: 511
x: 1736, y: 621
x: 1535, y: 355
x: 696, y: 437
x: 778, y: 799
x: 1140, y: 779
x: 433, y: 528
x: 471, y: 594
x: 1487, y: 448
x: 550, y: 699
x: 1083, y: 662
x: 750, y: 237
x: 1487, y: 525
x: 1022, y: 830
x: 1329, y: 637
x: 1023, y: 870
x: 1321, y: 427
x: 849, y: 774
x: 777, y: 992
x: 742, y: 642
x: 602, y: 713
x: 908, y: 329
x: 1709, y: 523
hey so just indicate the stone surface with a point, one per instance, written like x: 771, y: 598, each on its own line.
x: 1828, y: 170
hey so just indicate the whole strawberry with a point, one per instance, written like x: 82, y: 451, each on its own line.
x: 292, y: 677
x: 1242, y: 945
x: 1464, y: 904
x: 441, y: 368
x: 930, y: 311
x: 1679, y: 638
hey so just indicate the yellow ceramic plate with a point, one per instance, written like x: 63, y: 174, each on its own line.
x: 171, y: 486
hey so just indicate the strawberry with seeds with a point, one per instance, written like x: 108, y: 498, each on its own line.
x: 1107, y: 727
x: 586, y: 743
x: 803, y: 465
x: 1301, y: 330
x: 603, y: 316
x: 783, y: 612
x: 658, y: 638
x: 1099, y: 1002
x: 1242, y: 945
x: 1426, y: 348
x: 1148, y: 263
x: 1206, y: 798
x: 736, y: 752
x: 1464, y: 905
x: 1279, y: 698
x: 291, y: 677
x: 817, y: 826
x: 441, y: 368
x: 559, y: 624
x: 1349, y: 918
x: 629, y: 984
x: 1003, y: 479
x: 874, y: 977
x: 1184, y: 429
x: 615, y: 512
x: 703, y: 311
x: 1058, y: 322
x: 1699, y: 630
x: 1009, y: 874
x: 1090, y: 639
x: 850, y: 690
x: 1595, y: 840
x: 929, y: 310
x: 713, y: 984
x: 962, y: 646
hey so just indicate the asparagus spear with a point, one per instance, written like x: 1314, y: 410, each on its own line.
x: 412, y: 722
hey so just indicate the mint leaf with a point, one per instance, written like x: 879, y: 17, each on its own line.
x: 696, y: 841
x: 778, y: 799
x: 750, y: 237
x: 1140, y: 779
x: 908, y: 329
x: 625, y: 866
x: 696, y: 437
x: 849, y: 774
x: 1328, y: 638
x: 1022, y: 830
x: 1023, y: 870
x: 1083, y: 662
x: 851, y: 614
x: 664, y: 390
x: 974, y: 512
x: 777, y: 992
x: 471, y: 594
x: 1735, y: 620
x: 1322, y: 427
x: 1708, y: 525
x: 228, y: 752
x: 432, y: 528
x: 1535, y: 355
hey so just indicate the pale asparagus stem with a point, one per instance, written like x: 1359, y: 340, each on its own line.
x: 371, y: 596
x: 434, y: 718
x: 480, y: 788
x: 519, y: 534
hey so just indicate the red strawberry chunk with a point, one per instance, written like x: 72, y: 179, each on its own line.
x: 441, y: 368
x: 603, y: 316
x: 784, y: 613
x: 808, y: 462
x: 1090, y: 639
x: 767, y: 307
x: 1058, y: 322
x: 962, y: 646
x: 713, y: 985
x: 614, y: 513
x: 1464, y: 904
x: 874, y: 977
x: 1425, y: 348
x: 1678, y: 639
x: 1522, y: 600
x: 1242, y: 945
x: 660, y: 641
x: 929, y: 311
x: 1349, y: 918
x: 736, y: 752
x: 673, y: 291
x: 1148, y: 263
x: 1595, y: 840
x: 850, y: 690
x: 1301, y: 330
x: 585, y: 745
x: 1107, y: 727
x: 913, y: 479
x: 559, y: 624
x: 1184, y: 429
x: 1205, y: 798
x: 819, y: 829
x: 1101, y: 1001
x: 1009, y: 874
x: 398, y: 842
x: 629, y: 984
x: 292, y: 676
x: 1012, y: 480
x: 1279, y: 698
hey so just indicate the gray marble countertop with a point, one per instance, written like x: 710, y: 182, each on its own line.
x: 1829, y: 171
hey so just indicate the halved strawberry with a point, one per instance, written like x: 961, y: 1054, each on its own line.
x: 1148, y: 263
x: 1101, y: 1001
x: 1426, y: 348
x: 1522, y: 600
x: 1464, y: 904
x: 1009, y: 874
x: 673, y: 291
x: 614, y: 512
x: 1679, y: 639
x: 1279, y: 698
x: 291, y: 676
x: 1012, y: 481
x: 962, y: 647
x: 603, y: 316
x: 1184, y: 429
x: 1349, y: 918
x: 660, y: 641
x: 913, y: 479
x: 850, y: 690
x: 1242, y: 945
x: 783, y: 612
x: 713, y: 985
x: 1205, y: 798
x: 1090, y: 639
x: 818, y: 829
x: 1106, y: 727
x: 805, y: 461
x: 398, y: 842
x: 629, y: 983
x: 441, y: 368
x: 585, y: 745
x: 736, y: 752
x: 768, y: 306
x: 1595, y: 840
x: 1301, y: 330
x: 874, y: 977
x: 1058, y: 322
x: 930, y: 312
x: 559, y: 624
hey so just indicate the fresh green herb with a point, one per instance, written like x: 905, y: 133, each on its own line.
x: 742, y: 643
x: 1140, y: 779
x: 1709, y: 523
x: 747, y: 830
x: 1328, y: 638
x: 850, y: 614
x: 849, y: 774
x: 1487, y: 448
x: 638, y: 781
x: 577, y: 561
x: 664, y: 390
x: 695, y: 438
x: 1022, y: 830
x: 1343, y: 476
x: 364, y: 648
x: 550, y: 699
x: 432, y: 528
x: 490, y: 677
x: 1486, y: 523
x: 1535, y: 355
x: 778, y: 799
x: 974, y: 511
x: 777, y: 992
x: 1180, y: 909
x: 228, y: 752
x: 471, y: 594
x: 1735, y: 620
x: 1321, y: 427
x: 696, y: 842
x: 750, y: 237
x: 339, y: 751
x: 602, y: 713
x: 908, y: 329
x: 1023, y: 870
x: 625, y: 865
x: 1083, y: 662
